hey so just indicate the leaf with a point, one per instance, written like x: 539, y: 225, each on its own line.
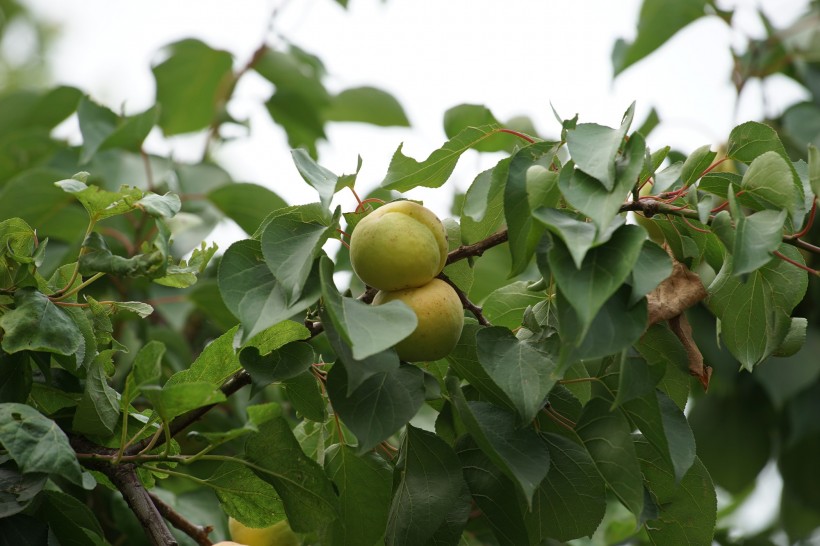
x: 37, y: 324
x: 18, y: 490
x: 594, y: 148
x: 97, y: 258
x: 368, y: 329
x: 661, y: 348
x: 687, y: 510
x: 604, y: 269
x: 770, y: 180
x: 530, y: 184
x: 99, y: 409
x: 318, y: 177
x: 244, y: 496
x: 651, y: 268
x: 367, y: 105
x: 70, y: 520
x: 464, y: 362
x: 429, y: 484
x: 364, y: 484
x: 405, y: 173
x: 697, y: 162
x: 494, y: 493
x: 755, y: 315
x: 590, y: 197
x: 459, y: 117
x: 173, y: 400
x: 284, y: 363
x: 380, y: 405
x: 308, y: 496
x: 145, y: 370
x: 36, y: 443
x: 246, y: 204
x: 100, y: 203
x: 607, y: 437
x: 102, y: 129
x: 303, y: 392
x: 570, y: 503
x: 251, y: 292
x: 162, y: 206
x: 578, y: 235
x: 756, y: 237
x: 524, y: 371
x: 518, y: 452
x: 657, y: 23
x: 749, y: 140
x: 291, y: 240
x: 217, y: 362
x: 506, y: 306
x: 814, y: 169
x: 190, y: 83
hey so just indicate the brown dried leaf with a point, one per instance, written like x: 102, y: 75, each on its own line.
x: 677, y: 293
x: 683, y: 330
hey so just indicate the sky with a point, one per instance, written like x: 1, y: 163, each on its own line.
x: 517, y: 57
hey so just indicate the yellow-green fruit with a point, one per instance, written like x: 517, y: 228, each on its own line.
x: 399, y: 245
x: 278, y: 534
x: 229, y: 543
x: 440, y: 320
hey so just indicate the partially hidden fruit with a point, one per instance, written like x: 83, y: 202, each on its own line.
x: 278, y: 534
x: 399, y: 245
x: 440, y: 320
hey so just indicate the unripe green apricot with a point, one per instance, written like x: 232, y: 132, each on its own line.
x: 278, y: 534
x: 440, y: 320
x: 399, y: 245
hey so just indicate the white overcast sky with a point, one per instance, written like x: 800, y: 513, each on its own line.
x: 514, y: 56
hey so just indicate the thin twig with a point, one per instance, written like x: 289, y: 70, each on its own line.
x: 465, y: 301
x: 197, y: 532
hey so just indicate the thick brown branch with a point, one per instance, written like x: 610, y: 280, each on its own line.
x: 196, y: 532
x: 477, y: 249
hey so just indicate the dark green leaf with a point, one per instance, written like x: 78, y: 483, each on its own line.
x: 506, y: 306
x: 463, y: 360
x: 190, y: 84
x: 36, y: 443
x: 145, y: 370
x: 246, y: 204
x: 594, y: 148
x: 519, y: 453
x: 607, y: 436
x: 429, y: 484
x: 17, y: 490
x: 661, y: 348
x: 652, y: 267
x: 97, y: 258
x: 770, y: 180
x: 380, y: 405
x: 304, y: 393
x: 173, y: 400
x: 99, y: 409
x: 697, y: 162
x: 244, y: 496
x: 37, y: 324
x: 756, y: 237
x: 524, y: 371
x: 578, y: 235
x: 283, y: 363
x: 308, y: 495
x: 15, y: 377
x: 70, y: 520
x: 364, y: 484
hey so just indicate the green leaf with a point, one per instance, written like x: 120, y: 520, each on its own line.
x: 37, y: 324
x: 666, y: 429
x: 99, y: 409
x: 604, y: 269
x: 518, y: 452
x: 97, y: 258
x: 251, y: 292
x: 278, y: 365
x: 367, y: 105
x: 662, y: 349
x: 590, y: 197
x: 246, y: 204
x: 459, y: 117
x: 594, y: 148
x: 651, y: 268
x: 577, y: 234
x: 405, y: 173
x: 494, y: 493
x: 770, y: 180
x: 18, y: 490
x: 162, y: 206
x: 318, y: 177
x: 100, y: 203
x: 190, y: 83
x: 687, y: 510
x: 102, y: 129
x: 524, y: 371
x: 530, y: 184
x: 368, y: 329
x: 756, y: 237
x: 217, y: 362
x: 814, y: 169
x: 749, y: 140
x: 464, y: 361
x: 483, y: 209
x: 173, y: 400
x: 70, y: 520
x: 380, y: 405
x: 429, y: 484
x: 607, y: 436
x: 697, y: 162
x: 36, y: 443
x: 308, y: 495
x: 755, y: 315
x: 304, y: 393
x: 657, y: 23
x: 795, y: 339
x: 506, y: 306
x: 244, y: 496
x: 15, y: 377
x: 364, y: 484
x: 291, y: 240
x: 570, y: 503
x: 145, y: 370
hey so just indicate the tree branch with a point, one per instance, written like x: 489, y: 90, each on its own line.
x: 465, y: 301
x: 196, y: 532
x: 477, y: 249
